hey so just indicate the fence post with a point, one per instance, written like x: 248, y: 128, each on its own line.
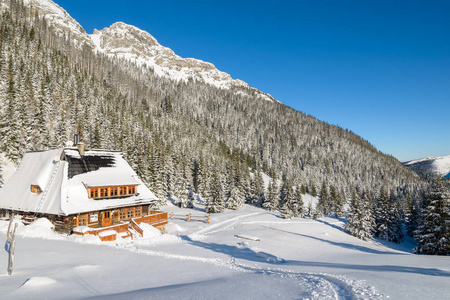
x: 189, y: 217
x: 208, y: 219
x: 12, y: 244
x: 171, y: 215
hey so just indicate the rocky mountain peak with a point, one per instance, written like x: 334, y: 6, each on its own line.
x: 132, y: 43
x: 62, y: 22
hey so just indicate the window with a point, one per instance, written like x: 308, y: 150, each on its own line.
x: 107, y: 215
x: 138, y: 211
x: 36, y: 189
x: 82, y: 220
x: 123, y: 213
x: 130, y: 213
x: 113, y: 191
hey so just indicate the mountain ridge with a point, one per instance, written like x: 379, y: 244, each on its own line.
x: 431, y: 166
x: 141, y: 48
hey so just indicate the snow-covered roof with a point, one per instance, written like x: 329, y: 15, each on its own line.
x: 65, y: 194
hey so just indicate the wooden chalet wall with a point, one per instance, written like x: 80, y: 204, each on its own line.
x: 96, y: 219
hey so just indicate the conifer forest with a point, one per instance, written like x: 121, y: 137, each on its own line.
x: 189, y: 139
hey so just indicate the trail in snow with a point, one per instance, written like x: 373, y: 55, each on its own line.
x: 320, y: 285
x: 221, y: 226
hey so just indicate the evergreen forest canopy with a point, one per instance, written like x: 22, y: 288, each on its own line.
x: 185, y: 137
x: 51, y: 88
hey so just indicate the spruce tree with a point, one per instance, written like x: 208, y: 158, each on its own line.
x: 285, y: 211
x: 297, y: 205
x: 214, y: 203
x: 433, y: 233
x: 271, y: 199
x: 259, y: 189
x: 324, y: 205
x: 359, y: 219
x: 235, y: 199
x: 388, y: 219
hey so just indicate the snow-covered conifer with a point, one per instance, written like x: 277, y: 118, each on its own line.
x: 433, y: 233
x: 359, y: 219
x: 285, y: 211
x: 271, y: 199
x: 214, y: 203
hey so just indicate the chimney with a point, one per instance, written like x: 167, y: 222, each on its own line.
x: 76, y: 139
x: 79, y: 144
x: 80, y: 147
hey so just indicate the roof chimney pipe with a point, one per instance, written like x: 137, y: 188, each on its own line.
x: 79, y: 144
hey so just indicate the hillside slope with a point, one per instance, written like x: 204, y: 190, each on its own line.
x: 207, y: 261
x: 431, y: 166
x: 171, y: 131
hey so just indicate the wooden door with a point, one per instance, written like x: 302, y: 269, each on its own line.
x: 106, y: 218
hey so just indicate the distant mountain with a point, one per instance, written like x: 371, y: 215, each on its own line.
x: 133, y: 44
x: 425, y: 167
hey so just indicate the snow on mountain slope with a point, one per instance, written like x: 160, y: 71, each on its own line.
x: 61, y: 20
x: 431, y: 166
x: 136, y: 45
x: 293, y: 259
x: 133, y: 44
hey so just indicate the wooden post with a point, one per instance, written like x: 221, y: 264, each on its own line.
x: 12, y: 244
x: 189, y: 217
x: 171, y: 215
x: 208, y: 219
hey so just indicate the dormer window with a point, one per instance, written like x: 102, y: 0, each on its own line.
x: 36, y: 189
x: 106, y: 192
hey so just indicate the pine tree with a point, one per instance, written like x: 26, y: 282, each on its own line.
x: 214, y: 203
x: 388, y: 219
x: 433, y: 233
x: 235, y: 199
x: 313, y: 191
x: 413, y: 217
x: 324, y: 205
x: 359, y: 219
x: 271, y: 200
x: 285, y: 211
x: 297, y: 204
x: 259, y: 189
x: 303, y: 189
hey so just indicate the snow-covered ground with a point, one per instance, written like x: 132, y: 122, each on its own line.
x: 293, y: 259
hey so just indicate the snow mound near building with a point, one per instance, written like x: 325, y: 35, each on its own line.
x: 174, y: 228
x: 41, y: 228
x: 150, y: 231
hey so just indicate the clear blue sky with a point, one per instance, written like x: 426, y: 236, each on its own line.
x: 379, y: 68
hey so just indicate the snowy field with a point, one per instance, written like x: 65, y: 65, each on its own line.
x: 271, y: 259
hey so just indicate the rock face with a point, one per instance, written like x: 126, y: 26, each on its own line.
x: 61, y: 21
x: 134, y: 44
x: 131, y: 43
x: 431, y: 166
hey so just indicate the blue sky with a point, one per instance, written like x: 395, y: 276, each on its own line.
x: 379, y: 68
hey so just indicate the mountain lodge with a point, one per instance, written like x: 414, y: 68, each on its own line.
x: 74, y: 187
